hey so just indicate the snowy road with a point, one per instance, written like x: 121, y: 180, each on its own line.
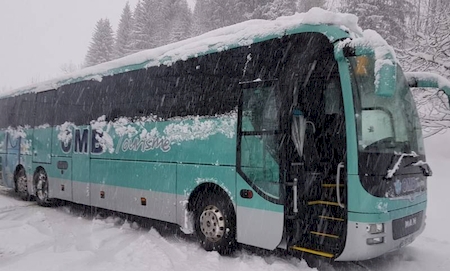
x: 66, y: 238
x: 36, y: 238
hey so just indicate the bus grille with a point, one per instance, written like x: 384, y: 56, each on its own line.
x: 407, y: 225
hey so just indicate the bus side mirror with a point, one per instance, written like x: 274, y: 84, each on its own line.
x: 386, y: 79
x: 428, y: 80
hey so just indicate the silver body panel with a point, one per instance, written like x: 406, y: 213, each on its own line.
x: 356, y: 248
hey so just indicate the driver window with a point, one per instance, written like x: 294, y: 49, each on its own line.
x: 376, y: 125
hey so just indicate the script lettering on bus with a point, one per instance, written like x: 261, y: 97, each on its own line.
x: 81, y: 142
x: 144, y: 145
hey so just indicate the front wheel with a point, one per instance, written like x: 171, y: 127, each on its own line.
x: 41, y: 188
x: 215, y: 223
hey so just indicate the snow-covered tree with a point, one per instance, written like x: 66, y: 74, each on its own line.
x: 387, y: 17
x: 101, y: 48
x: 124, y: 39
x: 145, y: 25
x: 70, y: 67
x: 430, y: 51
x: 276, y: 8
x: 181, y: 25
x: 305, y: 5
x: 213, y: 14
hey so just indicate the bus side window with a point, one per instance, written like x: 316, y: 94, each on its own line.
x: 45, y: 108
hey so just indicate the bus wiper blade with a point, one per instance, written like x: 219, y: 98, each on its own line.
x: 391, y: 172
x: 424, y: 166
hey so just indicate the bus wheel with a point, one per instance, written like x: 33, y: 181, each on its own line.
x: 20, y: 182
x: 215, y: 223
x: 41, y: 187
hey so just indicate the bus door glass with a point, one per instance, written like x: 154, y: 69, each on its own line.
x: 259, y: 142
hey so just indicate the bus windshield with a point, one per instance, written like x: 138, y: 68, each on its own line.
x: 384, y: 124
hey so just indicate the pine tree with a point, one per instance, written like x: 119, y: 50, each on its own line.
x: 101, y: 48
x: 387, y: 17
x: 144, y: 25
x: 181, y: 23
x: 213, y: 14
x: 305, y: 5
x: 276, y: 8
x: 124, y: 41
x: 251, y: 9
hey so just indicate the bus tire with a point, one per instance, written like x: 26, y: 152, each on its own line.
x: 21, y: 183
x: 215, y: 223
x: 41, y: 188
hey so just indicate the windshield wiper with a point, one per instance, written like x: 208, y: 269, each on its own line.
x: 424, y: 166
x: 426, y: 170
x: 391, y: 172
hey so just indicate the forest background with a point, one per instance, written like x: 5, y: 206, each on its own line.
x: 419, y: 31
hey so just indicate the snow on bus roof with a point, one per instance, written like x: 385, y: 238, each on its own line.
x: 335, y: 26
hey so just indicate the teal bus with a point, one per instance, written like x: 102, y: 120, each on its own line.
x: 299, y: 134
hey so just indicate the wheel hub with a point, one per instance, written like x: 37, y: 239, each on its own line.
x: 212, y: 223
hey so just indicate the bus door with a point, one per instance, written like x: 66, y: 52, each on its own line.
x: 260, y: 209
x: 316, y: 158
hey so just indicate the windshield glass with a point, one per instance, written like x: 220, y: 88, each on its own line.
x: 384, y: 124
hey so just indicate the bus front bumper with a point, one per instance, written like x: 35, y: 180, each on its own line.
x: 365, y: 242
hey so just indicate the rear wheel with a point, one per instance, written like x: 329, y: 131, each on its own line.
x: 21, y: 185
x: 41, y: 188
x: 215, y: 223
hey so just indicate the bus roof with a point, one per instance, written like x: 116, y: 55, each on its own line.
x: 336, y: 26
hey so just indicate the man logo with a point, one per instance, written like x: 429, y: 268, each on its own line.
x: 410, y: 222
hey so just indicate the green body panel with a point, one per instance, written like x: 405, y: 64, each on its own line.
x: 350, y: 125
x: 55, y: 172
x: 359, y: 201
x: 387, y: 216
x: 42, y: 142
x: 134, y: 174
x: 27, y: 163
x: 2, y: 141
x: 2, y: 156
x: 190, y: 176
x: 256, y: 202
x: 204, y: 141
x: 26, y: 154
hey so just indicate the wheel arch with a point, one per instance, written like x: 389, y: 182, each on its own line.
x: 204, y: 188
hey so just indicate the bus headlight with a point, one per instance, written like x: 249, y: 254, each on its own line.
x: 375, y: 228
x: 374, y: 241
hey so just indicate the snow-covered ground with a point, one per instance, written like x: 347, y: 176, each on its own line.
x: 69, y: 238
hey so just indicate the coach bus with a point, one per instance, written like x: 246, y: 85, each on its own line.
x: 299, y: 133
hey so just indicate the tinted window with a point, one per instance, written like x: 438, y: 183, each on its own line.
x: 74, y: 103
x: 45, y: 108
